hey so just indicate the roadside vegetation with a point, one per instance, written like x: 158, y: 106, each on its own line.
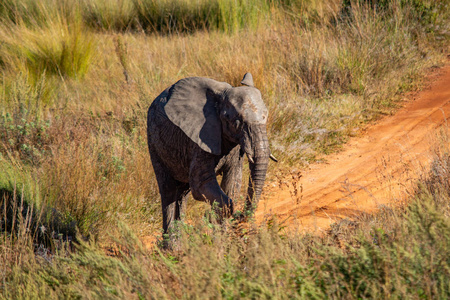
x: 77, y: 79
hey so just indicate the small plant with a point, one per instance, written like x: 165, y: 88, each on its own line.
x: 26, y: 137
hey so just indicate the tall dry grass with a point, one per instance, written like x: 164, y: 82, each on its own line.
x: 78, y: 77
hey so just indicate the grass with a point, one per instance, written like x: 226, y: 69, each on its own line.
x: 76, y: 80
x: 167, y: 16
x: 59, y: 47
x: 395, y: 253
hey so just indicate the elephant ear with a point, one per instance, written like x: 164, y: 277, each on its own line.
x: 192, y: 106
x: 247, y: 80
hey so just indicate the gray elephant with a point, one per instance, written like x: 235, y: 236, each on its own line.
x: 199, y: 128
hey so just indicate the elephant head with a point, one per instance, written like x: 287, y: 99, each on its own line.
x: 214, y: 114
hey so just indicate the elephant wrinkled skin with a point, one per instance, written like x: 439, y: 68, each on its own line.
x: 199, y: 128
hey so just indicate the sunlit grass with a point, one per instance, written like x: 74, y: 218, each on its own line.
x: 57, y: 48
x: 78, y: 77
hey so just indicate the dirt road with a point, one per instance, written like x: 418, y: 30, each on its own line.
x: 378, y: 168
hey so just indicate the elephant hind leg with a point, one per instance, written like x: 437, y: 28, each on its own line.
x: 182, y: 191
x: 173, y: 204
x: 173, y: 194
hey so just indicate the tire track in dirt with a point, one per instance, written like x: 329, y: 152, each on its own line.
x: 375, y: 169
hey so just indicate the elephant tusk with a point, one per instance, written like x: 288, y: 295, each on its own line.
x: 250, y: 159
x: 273, y: 157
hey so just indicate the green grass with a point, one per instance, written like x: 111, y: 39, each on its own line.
x: 76, y: 80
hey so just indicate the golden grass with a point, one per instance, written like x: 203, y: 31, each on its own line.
x: 72, y: 128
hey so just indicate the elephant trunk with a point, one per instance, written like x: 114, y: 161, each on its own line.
x: 258, y: 155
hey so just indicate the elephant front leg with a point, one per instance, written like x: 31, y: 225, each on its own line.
x: 204, y: 186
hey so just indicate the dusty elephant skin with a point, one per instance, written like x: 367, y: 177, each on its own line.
x: 199, y: 128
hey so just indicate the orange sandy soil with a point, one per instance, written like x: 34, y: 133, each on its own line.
x: 377, y: 168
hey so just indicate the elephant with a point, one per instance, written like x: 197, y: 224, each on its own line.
x: 199, y: 128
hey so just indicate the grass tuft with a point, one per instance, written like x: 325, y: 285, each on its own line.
x: 60, y: 46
